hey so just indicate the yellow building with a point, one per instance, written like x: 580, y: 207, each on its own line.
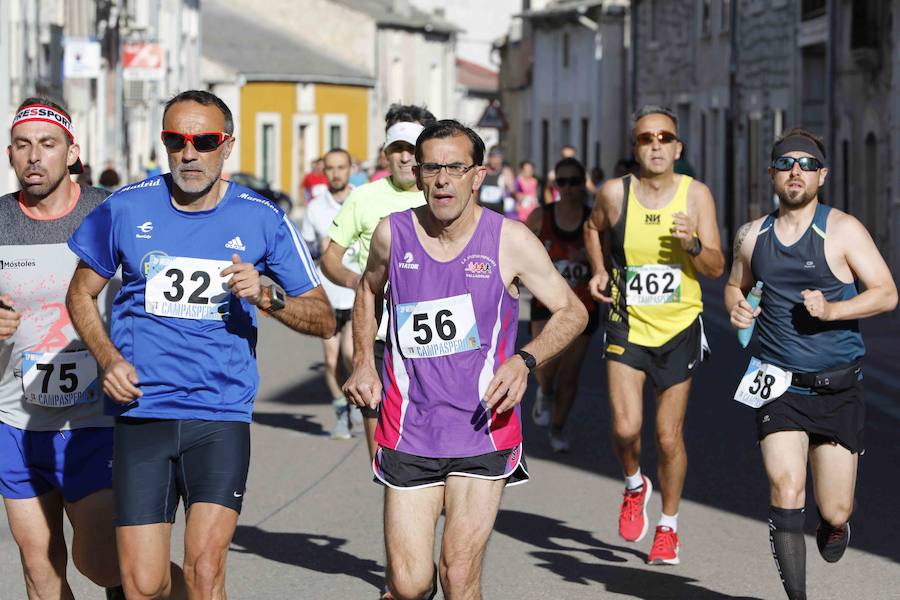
x: 291, y: 103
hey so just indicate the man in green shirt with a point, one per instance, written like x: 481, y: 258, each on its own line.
x: 370, y: 203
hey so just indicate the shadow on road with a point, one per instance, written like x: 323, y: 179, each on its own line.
x: 725, y: 467
x: 563, y: 541
x: 293, y: 421
x: 320, y: 553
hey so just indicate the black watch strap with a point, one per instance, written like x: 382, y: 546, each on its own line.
x: 697, y: 248
x: 530, y: 361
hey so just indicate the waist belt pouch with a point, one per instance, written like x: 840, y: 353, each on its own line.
x: 837, y: 380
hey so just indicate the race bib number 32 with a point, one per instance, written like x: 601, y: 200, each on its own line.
x: 652, y: 284
x: 761, y: 384
x: 61, y: 379
x: 437, y: 327
x: 187, y: 288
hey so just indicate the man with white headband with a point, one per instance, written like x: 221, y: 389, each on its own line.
x: 370, y: 203
x: 805, y: 379
x: 55, y: 443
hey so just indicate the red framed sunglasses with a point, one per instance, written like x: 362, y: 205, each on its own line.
x: 174, y: 141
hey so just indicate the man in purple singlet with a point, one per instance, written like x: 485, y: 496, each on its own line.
x: 449, y: 431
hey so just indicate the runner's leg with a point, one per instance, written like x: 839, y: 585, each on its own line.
x: 207, y: 536
x: 626, y: 395
x: 94, y: 538
x: 471, y: 506
x: 671, y: 405
x: 36, y: 525
x: 410, y: 518
x: 834, y: 481
x: 567, y: 379
x: 147, y: 572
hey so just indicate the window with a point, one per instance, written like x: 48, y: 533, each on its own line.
x: 845, y: 173
x: 335, y: 130
x: 545, y: 145
x: 864, y: 27
x: 268, y: 148
x: 565, y: 132
x: 753, y: 167
x: 725, y: 16
x: 705, y: 20
x: 871, y: 198
x: 810, y: 9
x: 565, y: 49
x: 653, y: 9
x: 585, y: 135
x: 334, y: 136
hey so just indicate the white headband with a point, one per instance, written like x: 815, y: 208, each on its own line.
x: 41, y: 112
x: 404, y: 131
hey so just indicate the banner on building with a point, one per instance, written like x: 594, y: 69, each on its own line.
x: 142, y: 61
x: 81, y: 58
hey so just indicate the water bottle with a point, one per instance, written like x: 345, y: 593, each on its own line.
x: 753, y: 299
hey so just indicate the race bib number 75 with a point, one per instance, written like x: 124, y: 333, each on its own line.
x: 437, y: 327
x: 187, y: 288
x: 59, y: 379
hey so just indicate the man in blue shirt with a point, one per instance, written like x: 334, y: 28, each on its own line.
x: 179, y: 365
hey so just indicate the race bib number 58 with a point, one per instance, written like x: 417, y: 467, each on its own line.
x: 652, y: 284
x: 187, y: 288
x: 761, y: 384
x: 437, y: 327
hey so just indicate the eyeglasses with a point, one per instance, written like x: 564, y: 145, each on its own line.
x: 175, y: 141
x: 807, y: 163
x: 562, y: 182
x: 646, y: 138
x: 453, y: 170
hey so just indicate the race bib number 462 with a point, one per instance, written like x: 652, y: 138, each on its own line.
x: 437, y: 327
x: 761, y: 384
x: 652, y: 284
x: 57, y: 380
x: 187, y: 288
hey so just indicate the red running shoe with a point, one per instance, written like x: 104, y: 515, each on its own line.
x: 665, y: 547
x: 633, y: 513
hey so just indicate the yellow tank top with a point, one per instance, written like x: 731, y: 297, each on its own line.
x: 655, y: 290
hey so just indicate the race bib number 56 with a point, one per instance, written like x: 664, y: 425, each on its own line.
x: 761, y: 384
x: 652, y: 284
x: 437, y: 327
x: 187, y: 288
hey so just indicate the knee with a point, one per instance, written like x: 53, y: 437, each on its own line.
x: 789, y: 492
x: 41, y: 564
x: 626, y: 429
x: 836, y: 513
x: 669, y: 441
x: 145, y: 583
x: 458, y: 575
x: 407, y: 586
x: 204, y: 571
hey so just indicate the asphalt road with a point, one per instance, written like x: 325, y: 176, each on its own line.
x: 311, y: 525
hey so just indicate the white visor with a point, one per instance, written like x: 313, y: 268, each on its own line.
x: 405, y: 131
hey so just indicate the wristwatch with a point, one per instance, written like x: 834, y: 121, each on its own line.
x: 697, y: 248
x: 530, y: 361
x: 276, y: 298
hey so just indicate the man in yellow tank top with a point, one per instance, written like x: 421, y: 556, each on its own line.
x: 660, y: 230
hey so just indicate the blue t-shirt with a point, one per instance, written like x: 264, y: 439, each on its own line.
x: 192, y: 343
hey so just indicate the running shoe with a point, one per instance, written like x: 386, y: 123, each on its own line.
x: 665, y: 547
x: 540, y: 412
x: 341, y: 429
x: 559, y: 442
x: 633, y: 513
x: 832, y: 541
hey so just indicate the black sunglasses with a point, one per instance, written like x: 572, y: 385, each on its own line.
x: 175, y: 141
x: 567, y: 181
x: 807, y: 163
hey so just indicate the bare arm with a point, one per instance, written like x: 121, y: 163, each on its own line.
x: 533, y: 222
x: 868, y: 267
x: 701, y: 222
x: 120, y: 378
x: 309, y: 312
x: 609, y: 194
x: 741, y: 279
x: 363, y: 388
x: 522, y: 256
x: 333, y: 267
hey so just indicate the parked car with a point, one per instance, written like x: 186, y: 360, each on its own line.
x: 262, y: 187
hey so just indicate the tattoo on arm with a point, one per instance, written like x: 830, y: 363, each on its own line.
x: 739, y: 241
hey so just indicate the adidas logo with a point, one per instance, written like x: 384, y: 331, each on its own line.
x: 236, y: 244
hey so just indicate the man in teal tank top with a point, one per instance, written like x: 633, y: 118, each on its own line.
x: 804, y: 379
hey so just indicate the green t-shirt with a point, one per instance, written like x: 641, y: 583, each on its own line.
x: 364, y: 208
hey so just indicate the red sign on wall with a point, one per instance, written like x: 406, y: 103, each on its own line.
x: 142, y: 60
